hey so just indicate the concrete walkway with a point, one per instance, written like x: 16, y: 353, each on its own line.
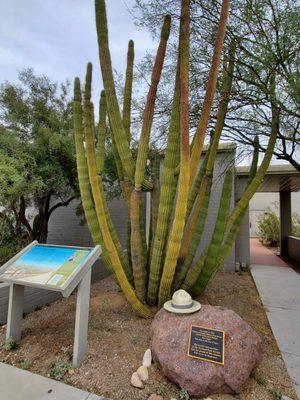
x: 279, y: 290
x: 17, y: 384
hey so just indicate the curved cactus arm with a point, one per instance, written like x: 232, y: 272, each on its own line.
x: 174, y: 242
x: 199, y: 137
x: 101, y: 212
x: 83, y: 178
x: 128, y: 90
x: 238, y: 212
x: 219, y: 230
x: 253, y: 168
x: 137, y: 254
x: 194, y: 272
x: 256, y: 181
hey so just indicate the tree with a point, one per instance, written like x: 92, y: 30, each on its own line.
x: 181, y: 193
x: 37, y: 164
x: 267, y: 36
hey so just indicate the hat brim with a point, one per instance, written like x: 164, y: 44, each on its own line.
x: 169, y: 307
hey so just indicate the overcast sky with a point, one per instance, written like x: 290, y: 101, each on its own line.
x: 58, y: 37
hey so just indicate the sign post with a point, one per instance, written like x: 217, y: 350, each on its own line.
x: 51, y: 267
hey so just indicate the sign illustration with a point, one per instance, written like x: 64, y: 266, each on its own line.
x: 46, y: 265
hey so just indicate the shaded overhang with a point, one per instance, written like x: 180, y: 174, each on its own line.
x: 278, y: 178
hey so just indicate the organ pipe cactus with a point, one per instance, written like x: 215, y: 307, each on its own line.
x: 181, y: 190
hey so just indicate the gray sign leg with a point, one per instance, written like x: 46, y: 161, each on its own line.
x: 15, y: 312
x: 82, y: 319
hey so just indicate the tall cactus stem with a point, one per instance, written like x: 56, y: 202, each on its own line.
x: 177, y: 228
x: 210, y: 92
x: 128, y: 90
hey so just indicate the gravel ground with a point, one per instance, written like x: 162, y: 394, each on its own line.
x: 118, y: 339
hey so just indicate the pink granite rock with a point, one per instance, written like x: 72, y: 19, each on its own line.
x: 155, y: 397
x: 243, y: 351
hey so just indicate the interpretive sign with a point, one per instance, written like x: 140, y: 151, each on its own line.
x: 51, y: 267
x: 206, y: 344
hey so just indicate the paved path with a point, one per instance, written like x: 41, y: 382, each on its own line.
x: 261, y: 255
x: 279, y: 290
x: 17, y: 384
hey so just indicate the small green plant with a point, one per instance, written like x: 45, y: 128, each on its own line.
x: 10, y: 344
x: 160, y: 389
x: 102, y: 335
x: 60, y: 369
x: 276, y: 393
x: 135, y: 339
x: 183, y: 395
x: 25, y: 364
x: 260, y: 380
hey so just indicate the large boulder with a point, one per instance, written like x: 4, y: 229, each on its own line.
x: 243, y: 351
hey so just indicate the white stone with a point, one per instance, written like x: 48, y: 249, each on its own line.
x: 285, y: 398
x: 143, y: 373
x: 136, y: 381
x: 147, y: 359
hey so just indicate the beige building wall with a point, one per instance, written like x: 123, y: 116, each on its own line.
x: 260, y: 203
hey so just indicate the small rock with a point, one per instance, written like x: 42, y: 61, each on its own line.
x: 147, y: 359
x: 155, y: 397
x: 136, y: 381
x: 285, y: 398
x: 71, y: 372
x: 143, y: 373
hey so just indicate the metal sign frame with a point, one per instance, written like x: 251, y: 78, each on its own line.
x: 80, y: 278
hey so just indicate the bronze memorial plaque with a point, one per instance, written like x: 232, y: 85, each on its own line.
x: 207, y: 344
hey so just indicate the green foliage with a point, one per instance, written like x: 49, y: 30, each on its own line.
x: 296, y: 224
x: 183, y: 395
x: 269, y: 228
x: 26, y: 363
x: 10, y: 344
x: 60, y: 369
x: 37, y: 163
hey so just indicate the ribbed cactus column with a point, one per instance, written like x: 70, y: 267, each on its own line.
x: 138, y: 261
x: 177, y: 228
x: 128, y: 90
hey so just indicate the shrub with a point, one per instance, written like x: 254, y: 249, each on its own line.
x: 269, y: 228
